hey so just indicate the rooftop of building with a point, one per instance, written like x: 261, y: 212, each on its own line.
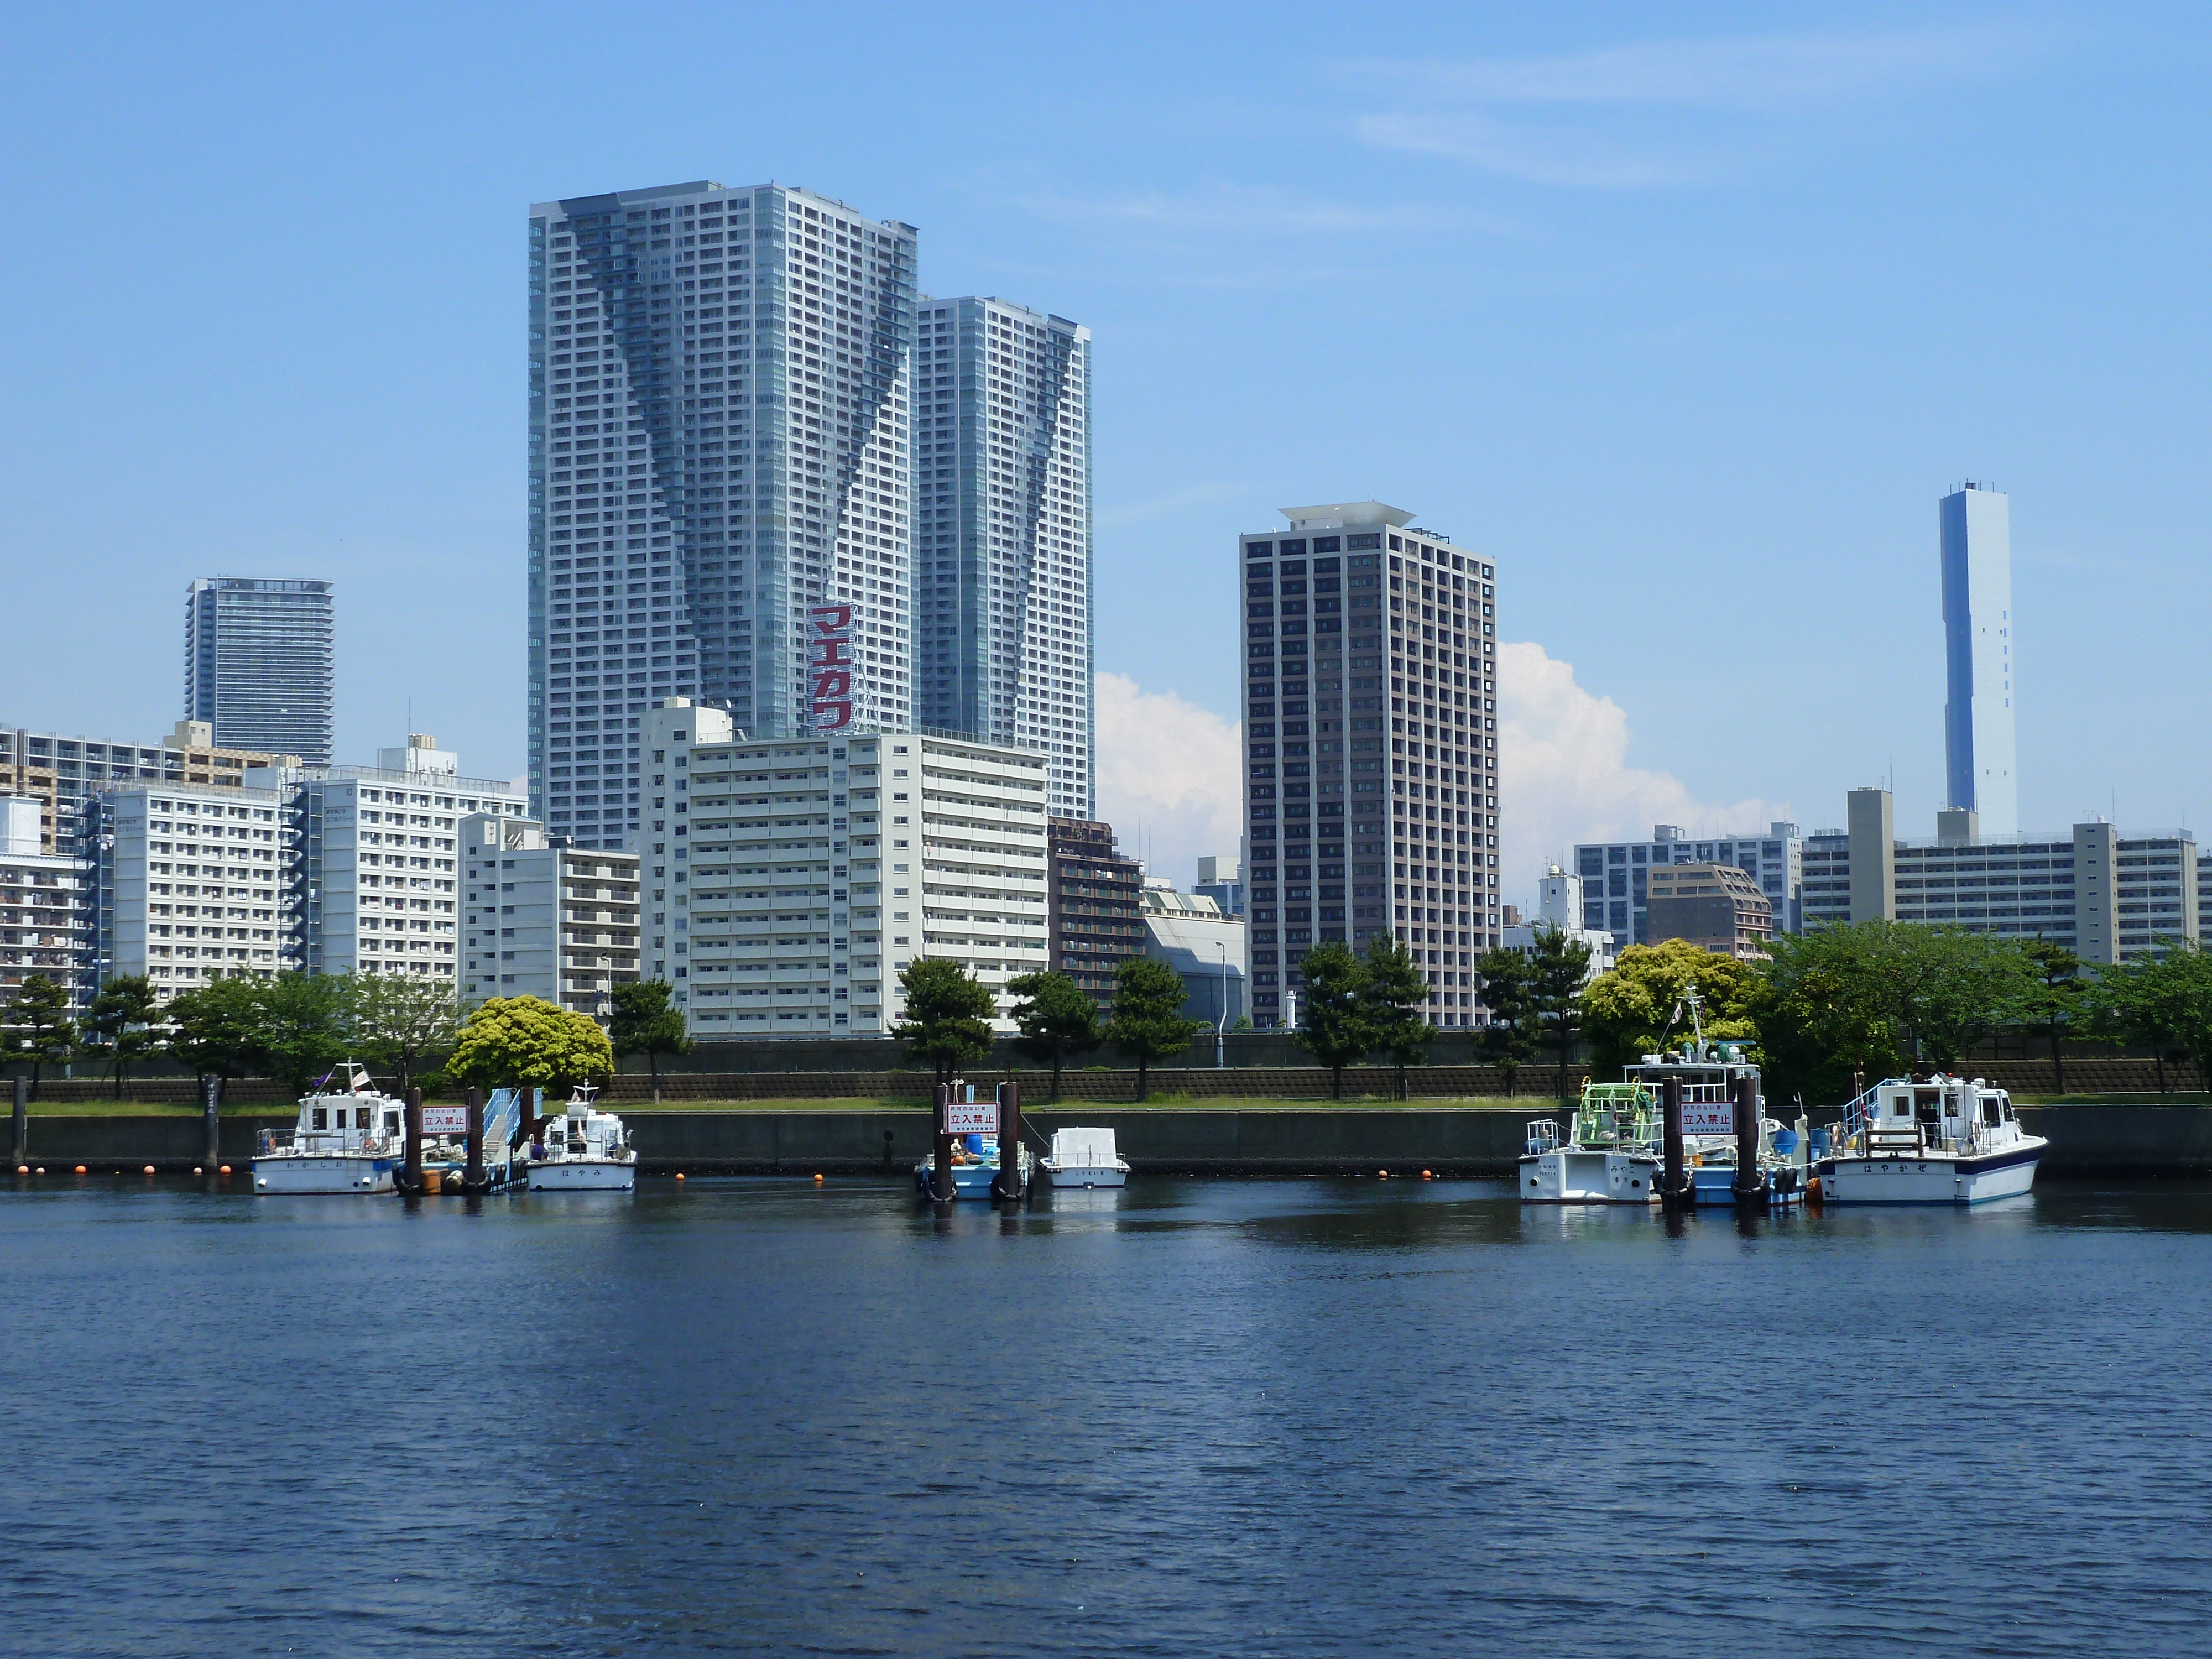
x: 1338, y: 515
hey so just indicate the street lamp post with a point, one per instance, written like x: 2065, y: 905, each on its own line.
x: 1221, y: 1025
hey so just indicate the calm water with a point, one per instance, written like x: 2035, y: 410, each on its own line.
x: 1196, y: 1418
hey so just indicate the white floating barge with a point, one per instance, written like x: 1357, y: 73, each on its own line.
x: 1084, y: 1157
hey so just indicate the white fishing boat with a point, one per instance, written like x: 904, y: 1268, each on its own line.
x: 581, y: 1150
x: 1943, y: 1140
x: 1610, y: 1155
x: 1084, y: 1157
x: 347, y: 1140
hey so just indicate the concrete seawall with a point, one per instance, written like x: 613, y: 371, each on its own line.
x: 2086, y: 1140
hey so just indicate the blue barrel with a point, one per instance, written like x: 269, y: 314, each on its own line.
x: 1820, y: 1143
x: 1785, y: 1142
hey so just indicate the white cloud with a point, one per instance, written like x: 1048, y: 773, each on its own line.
x: 1666, y: 111
x: 1563, y: 759
x: 1169, y: 777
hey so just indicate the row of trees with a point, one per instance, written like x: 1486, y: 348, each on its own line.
x: 295, y: 1027
x: 949, y: 1011
x: 1876, y: 997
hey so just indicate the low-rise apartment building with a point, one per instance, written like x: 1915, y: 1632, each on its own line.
x: 42, y: 919
x: 374, y: 854
x: 1615, y: 875
x: 1715, y: 907
x: 787, y: 882
x: 1095, y: 914
x: 2106, y: 894
x: 542, y: 918
x: 60, y: 772
x: 187, y: 884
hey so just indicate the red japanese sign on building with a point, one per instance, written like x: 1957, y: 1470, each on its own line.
x: 830, y: 663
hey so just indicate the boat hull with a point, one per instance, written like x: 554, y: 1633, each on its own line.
x: 336, y: 1172
x: 968, y: 1180
x: 1935, y: 1179
x: 1093, y: 1174
x: 583, y: 1175
x: 1569, y: 1174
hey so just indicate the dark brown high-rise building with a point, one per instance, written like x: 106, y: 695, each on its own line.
x: 1096, y: 912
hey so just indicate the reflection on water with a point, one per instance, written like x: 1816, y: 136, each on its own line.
x: 1187, y: 1417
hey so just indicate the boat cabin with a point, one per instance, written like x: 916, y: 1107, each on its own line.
x: 1937, y: 1112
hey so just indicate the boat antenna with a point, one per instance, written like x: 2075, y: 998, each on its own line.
x: 1697, y: 1022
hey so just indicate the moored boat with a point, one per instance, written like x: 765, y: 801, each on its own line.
x: 347, y: 1140
x: 583, y: 1150
x: 1084, y: 1157
x: 975, y: 1167
x: 1940, y: 1140
x: 1609, y: 1155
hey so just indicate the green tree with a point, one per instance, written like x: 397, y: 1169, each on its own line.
x: 399, y: 1022
x: 1509, y: 1041
x: 947, y: 1020
x: 119, y: 1022
x: 2056, y: 1002
x: 304, y: 1027
x: 1395, y: 993
x: 645, y: 1022
x: 1883, y: 996
x: 1058, y: 1021
x: 2161, y: 1004
x: 1558, y: 967
x: 1637, y: 1007
x: 1147, y: 1019
x: 1336, y: 1029
x: 526, y: 1042
x: 35, y: 1027
x: 215, y: 1028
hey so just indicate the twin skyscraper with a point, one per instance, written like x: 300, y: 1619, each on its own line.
x: 768, y: 472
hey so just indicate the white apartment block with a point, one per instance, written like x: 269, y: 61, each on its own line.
x: 718, y: 476
x: 2106, y: 894
x: 787, y: 881
x: 190, y: 883
x: 1370, y: 718
x: 1002, y: 534
x: 44, y: 922
x: 375, y: 858
x: 540, y: 918
x: 1613, y: 874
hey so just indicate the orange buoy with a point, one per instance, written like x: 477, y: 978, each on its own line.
x: 817, y: 1178
x: 23, y: 1168
x: 679, y: 1174
x: 1382, y: 1174
x: 149, y: 1169
x: 224, y: 1170
x: 1425, y: 1176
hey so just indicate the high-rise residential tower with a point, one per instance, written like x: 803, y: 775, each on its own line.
x: 1977, y: 717
x: 259, y: 665
x: 1370, y: 722
x: 719, y: 462
x: 1002, y: 539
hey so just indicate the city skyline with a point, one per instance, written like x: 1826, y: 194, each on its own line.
x: 1689, y: 330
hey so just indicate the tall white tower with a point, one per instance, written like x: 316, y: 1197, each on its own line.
x: 1981, y: 763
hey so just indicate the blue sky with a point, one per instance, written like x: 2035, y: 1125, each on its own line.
x: 1686, y: 315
